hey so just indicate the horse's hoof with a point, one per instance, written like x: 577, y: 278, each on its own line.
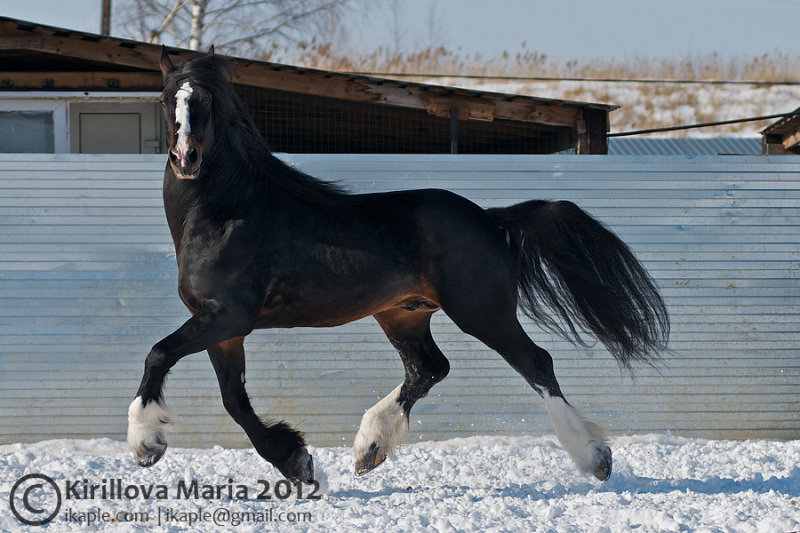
x: 299, y: 467
x: 148, y: 454
x: 147, y: 426
x: 603, y: 462
x: 375, y: 456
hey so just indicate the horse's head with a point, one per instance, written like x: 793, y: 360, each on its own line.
x: 187, y: 106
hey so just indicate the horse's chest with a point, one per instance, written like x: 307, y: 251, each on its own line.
x: 211, y: 260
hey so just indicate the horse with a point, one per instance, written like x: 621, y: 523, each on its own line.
x: 260, y: 244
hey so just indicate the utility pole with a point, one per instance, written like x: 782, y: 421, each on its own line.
x: 105, y: 19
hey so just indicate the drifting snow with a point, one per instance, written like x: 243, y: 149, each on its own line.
x: 492, y: 484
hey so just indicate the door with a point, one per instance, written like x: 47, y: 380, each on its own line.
x: 114, y: 128
x: 110, y: 133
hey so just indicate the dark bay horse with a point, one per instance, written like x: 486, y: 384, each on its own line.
x: 262, y: 245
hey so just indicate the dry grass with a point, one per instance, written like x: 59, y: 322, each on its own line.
x: 440, y: 60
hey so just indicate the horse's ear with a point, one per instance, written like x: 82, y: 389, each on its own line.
x: 211, y: 51
x: 165, y: 62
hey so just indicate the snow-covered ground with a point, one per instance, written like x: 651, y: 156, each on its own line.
x: 660, y: 483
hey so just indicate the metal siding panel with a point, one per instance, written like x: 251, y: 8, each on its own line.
x: 667, y: 147
x: 87, y: 285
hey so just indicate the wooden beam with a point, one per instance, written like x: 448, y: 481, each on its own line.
x: 20, y: 42
x: 489, y: 109
x: 466, y: 108
x: 80, y: 81
x: 548, y: 114
x: 311, y: 83
x: 104, y: 49
x: 592, y: 138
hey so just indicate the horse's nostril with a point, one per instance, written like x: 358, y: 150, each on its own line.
x: 192, y: 155
x: 173, y: 156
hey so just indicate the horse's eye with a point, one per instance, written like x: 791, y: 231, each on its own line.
x: 207, y: 101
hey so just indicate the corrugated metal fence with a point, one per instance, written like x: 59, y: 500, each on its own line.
x: 87, y: 285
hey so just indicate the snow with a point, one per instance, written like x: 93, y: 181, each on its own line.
x: 660, y: 483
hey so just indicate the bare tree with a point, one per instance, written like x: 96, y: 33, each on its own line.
x: 397, y: 26
x: 237, y: 26
x: 437, y: 26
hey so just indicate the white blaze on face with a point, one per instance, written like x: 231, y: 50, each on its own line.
x: 182, y: 119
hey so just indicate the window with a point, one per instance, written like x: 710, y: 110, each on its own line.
x: 27, y: 132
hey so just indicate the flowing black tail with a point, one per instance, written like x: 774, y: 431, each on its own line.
x: 573, y: 265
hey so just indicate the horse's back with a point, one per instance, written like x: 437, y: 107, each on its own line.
x: 438, y: 211
x: 458, y: 246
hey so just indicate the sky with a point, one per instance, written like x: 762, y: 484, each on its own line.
x: 562, y: 29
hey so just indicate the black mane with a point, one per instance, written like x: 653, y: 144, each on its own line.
x: 236, y: 134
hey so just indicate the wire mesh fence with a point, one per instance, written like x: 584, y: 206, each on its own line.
x: 298, y: 123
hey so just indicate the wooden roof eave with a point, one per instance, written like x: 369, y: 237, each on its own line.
x: 145, y: 57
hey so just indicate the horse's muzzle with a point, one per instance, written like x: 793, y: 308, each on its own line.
x: 185, y: 162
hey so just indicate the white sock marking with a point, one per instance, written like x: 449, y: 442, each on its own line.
x: 385, y: 423
x: 145, y: 423
x: 581, y: 438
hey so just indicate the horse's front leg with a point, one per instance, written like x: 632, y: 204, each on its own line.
x: 276, y: 442
x: 148, y: 417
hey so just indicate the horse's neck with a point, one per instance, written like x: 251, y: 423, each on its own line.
x: 212, y: 195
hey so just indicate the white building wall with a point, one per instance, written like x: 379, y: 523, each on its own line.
x: 87, y: 285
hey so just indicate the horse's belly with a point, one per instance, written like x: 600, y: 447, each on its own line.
x: 329, y: 310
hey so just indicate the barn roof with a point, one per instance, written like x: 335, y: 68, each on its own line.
x: 39, y: 57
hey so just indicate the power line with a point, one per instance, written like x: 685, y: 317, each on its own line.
x: 701, y: 125
x: 591, y: 80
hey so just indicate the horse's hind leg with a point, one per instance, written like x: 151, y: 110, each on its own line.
x: 583, y: 440
x: 383, y: 425
x: 278, y: 443
x: 500, y: 330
